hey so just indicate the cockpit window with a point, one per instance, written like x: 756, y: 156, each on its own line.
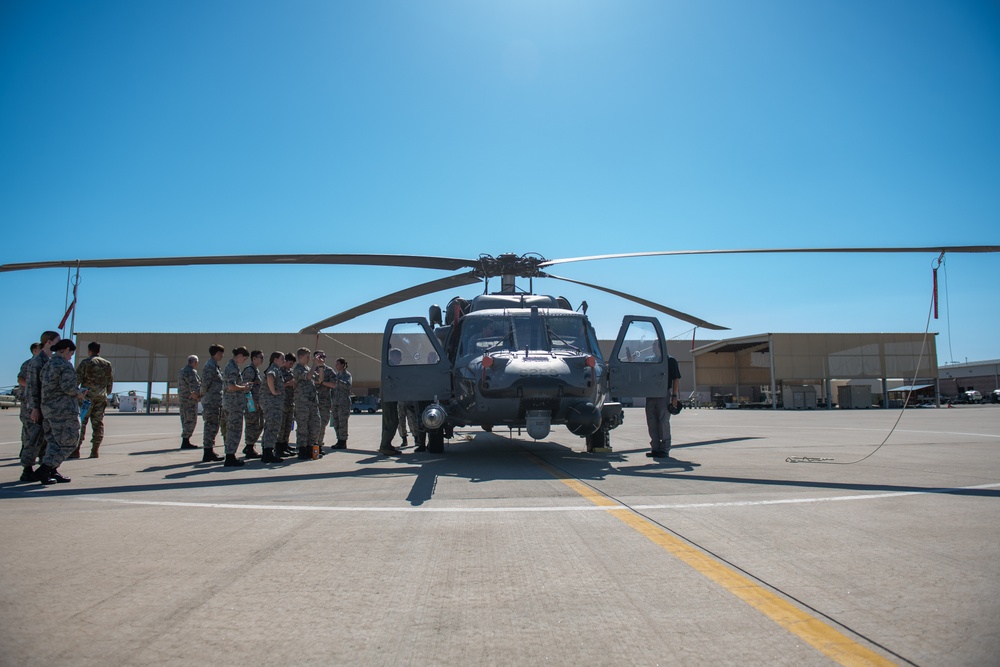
x: 481, y: 335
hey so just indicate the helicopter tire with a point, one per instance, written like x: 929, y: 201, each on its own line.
x: 435, y: 441
x: 488, y: 428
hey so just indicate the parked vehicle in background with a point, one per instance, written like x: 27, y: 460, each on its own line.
x: 8, y: 401
x: 995, y: 396
x: 369, y: 404
x: 973, y: 396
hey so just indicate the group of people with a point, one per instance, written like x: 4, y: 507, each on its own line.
x: 53, y: 427
x: 241, y: 400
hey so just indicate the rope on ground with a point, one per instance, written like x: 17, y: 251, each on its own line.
x: 902, y: 410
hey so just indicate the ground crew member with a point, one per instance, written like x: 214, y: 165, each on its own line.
x: 60, y: 411
x: 341, y: 401
x: 234, y: 404
x: 390, y: 413
x: 212, y: 388
x: 95, y: 374
x: 33, y: 404
x: 306, y: 403
x: 272, y: 400
x: 254, y: 418
x: 327, y: 381
x: 657, y: 414
x: 188, y: 395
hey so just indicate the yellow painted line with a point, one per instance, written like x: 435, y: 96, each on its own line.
x: 824, y: 638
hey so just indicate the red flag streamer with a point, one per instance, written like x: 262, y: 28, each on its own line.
x: 69, y: 310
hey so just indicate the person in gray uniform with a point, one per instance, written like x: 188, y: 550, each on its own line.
x: 341, y: 401
x: 254, y: 418
x: 288, y: 407
x: 234, y: 404
x: 22, y: 383
x: 33, y: 404
x: 306, y: 403
x: 188, y: 395
x: 60, y: 407
x: 272, y: 401
x: 212, y: 388
x: 327, y: 381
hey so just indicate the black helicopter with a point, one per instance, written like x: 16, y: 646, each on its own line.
x: 510, y: 358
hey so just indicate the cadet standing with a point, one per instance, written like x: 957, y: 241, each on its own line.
x: 22, y: 383
x: 327, y: 381
x: 188, y: 395
x: 254, y: 418
x: 341, y: 401
x: 288, y: 407
x: 272, y: 400
x: 306, y: 403
x: 60, y: 411
x: 33, y: 404
x: 212, y: 388
x: 234, y: 404
x: 96, y: 375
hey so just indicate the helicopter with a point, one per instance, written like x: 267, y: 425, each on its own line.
x: 510, y: 358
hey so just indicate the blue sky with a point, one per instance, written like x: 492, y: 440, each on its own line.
x: 458, y: 128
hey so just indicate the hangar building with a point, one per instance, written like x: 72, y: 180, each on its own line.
x: 742, y: 371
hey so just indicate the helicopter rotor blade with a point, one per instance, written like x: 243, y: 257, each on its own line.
x: 691, y: 319
x: 937, y: 249
x: 460, y: 280
x: 446, y: 263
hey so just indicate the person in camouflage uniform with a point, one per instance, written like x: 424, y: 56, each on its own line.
x: 22, y: 383
x: 341, y: 401
x: 33, y: 404
x: 306, y: 403
x: 288, y: 407
x: 272, y: 401
x: 212, y: 388
x: 327, y: 379
x: 254, y: 419
x: 188, y: 395
x: 60, y: 411
x: 407, y: 419
x: 95, y: 374
x: 234, y: 404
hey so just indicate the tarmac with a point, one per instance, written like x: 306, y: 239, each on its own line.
x: 507, y: 551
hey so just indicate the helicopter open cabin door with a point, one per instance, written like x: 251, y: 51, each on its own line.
x: 414, y: 366
x: 638, y: 363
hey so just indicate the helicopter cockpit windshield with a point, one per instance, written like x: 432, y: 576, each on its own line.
x: 546, y: 333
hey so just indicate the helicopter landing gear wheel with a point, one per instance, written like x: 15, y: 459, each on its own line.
x: 599, y: 441
x: 435, y: 441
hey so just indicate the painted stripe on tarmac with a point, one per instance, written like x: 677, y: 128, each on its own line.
x: 601, y: 503
x: 827, y: 640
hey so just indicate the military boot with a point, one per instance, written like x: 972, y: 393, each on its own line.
x: 250, y: 453
x: 232, y: 461
x: 44, y: 475
x: 341, y: 444
x: 270, y: 457
x: 304, y: 453
x: 93, y: 451
x: 186, y: 444
x: 59, y: 478
x: 28, y: 475
x: 210, y: 456
x: 75, y: 454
